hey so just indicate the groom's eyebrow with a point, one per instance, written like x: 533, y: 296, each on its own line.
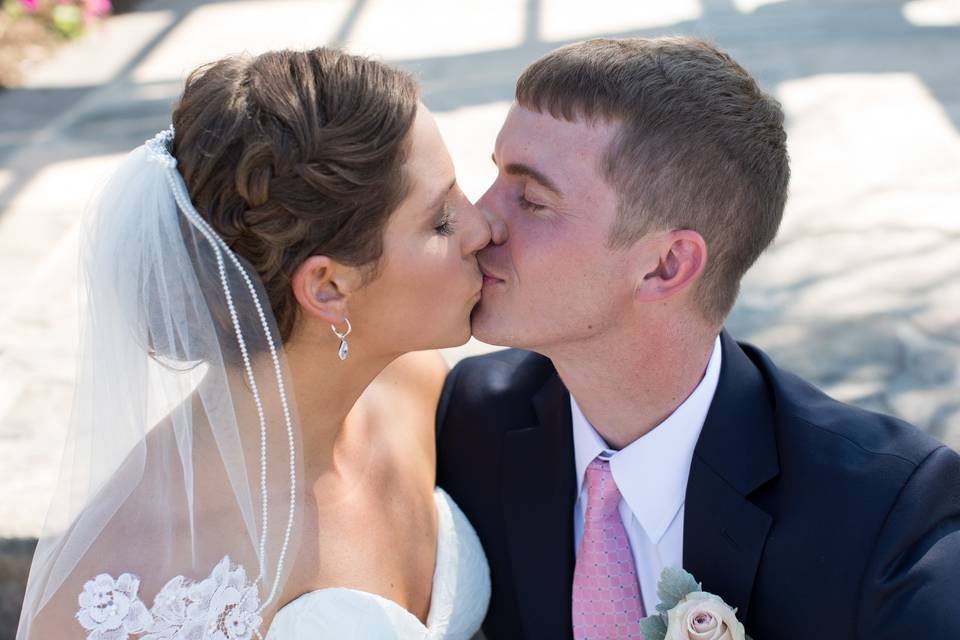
x: 519, y: 169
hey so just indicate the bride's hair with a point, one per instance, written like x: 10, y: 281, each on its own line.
x: 295, y: 153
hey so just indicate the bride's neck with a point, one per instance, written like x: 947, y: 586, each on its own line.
x: 326, y: 390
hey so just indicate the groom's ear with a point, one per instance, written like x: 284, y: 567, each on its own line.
x: 674, y: 261
x: 321, y: 286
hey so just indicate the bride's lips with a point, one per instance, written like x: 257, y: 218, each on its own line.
x: 489, y: 278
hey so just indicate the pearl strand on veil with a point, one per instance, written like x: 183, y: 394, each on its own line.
x: 159, y: 148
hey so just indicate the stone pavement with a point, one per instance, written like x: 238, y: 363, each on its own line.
x: 860, y: 294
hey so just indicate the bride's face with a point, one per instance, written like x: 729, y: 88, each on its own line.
x: 428, y: 280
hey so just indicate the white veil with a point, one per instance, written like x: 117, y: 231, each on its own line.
x: 177, y: 507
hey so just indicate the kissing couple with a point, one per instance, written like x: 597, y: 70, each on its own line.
x: 264, y: 445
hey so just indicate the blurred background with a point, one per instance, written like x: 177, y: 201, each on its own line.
x: 860, y: 294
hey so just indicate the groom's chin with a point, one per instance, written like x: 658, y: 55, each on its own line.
x: 490, y: 327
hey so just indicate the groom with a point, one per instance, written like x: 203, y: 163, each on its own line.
x: 637, y: 181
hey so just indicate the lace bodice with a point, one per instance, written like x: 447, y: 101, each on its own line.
x: 458, y: 604
x: 225, y: 605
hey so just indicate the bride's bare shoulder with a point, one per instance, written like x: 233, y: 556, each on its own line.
x: 403, y: 401
x: 418, y: 375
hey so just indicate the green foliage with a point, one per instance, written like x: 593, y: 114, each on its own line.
x: 674, y: 585
x: 654, y: 627
x: 68, y: 19
x: 14, y: 9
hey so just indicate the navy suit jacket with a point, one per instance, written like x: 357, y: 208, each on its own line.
x: 814, y: 518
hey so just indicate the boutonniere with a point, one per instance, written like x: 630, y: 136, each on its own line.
x: 686, y: 612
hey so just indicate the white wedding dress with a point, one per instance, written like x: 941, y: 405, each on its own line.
x: 225, y: 605
x: 458, y: 604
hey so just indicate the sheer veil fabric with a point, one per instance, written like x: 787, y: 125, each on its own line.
x: 178, y: 503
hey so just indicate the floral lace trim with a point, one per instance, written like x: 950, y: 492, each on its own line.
x: 223, y: 606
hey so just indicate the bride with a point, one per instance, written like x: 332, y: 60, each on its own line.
x: 251, y: 453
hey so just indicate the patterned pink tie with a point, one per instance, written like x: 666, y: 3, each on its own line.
x: 606, y: 594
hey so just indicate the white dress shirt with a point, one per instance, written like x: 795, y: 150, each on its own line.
x: 651, y: 474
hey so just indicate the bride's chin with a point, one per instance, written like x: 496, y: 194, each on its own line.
x: 456, y: 338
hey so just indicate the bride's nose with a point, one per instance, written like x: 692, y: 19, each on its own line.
x: 476, y: 230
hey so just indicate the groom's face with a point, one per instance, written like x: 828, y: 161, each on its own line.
x: 549, y: 276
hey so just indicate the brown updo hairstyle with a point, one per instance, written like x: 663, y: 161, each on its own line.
x: 296, y: 153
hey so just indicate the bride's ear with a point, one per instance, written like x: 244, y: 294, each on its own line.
x: 322, y: 286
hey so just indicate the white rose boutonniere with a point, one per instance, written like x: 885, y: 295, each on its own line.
x: 686, y: 612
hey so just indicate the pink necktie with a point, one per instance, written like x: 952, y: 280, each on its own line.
x: 606, y: 594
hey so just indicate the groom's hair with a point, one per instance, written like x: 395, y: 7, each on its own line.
x: 700, y: 146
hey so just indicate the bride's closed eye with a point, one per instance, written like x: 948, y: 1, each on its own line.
x: 447, y: 220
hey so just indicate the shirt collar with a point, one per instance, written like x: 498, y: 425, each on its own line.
x: 652, y: 471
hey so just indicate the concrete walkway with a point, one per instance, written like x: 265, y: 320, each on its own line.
x: 861, y: 293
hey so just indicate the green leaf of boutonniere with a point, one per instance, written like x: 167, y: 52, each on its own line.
x: 654, y: 627
x: 673, y: 587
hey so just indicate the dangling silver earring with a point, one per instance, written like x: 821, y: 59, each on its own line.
x: 344, y: 350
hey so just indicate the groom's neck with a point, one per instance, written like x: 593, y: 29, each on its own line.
x: 628, y: 381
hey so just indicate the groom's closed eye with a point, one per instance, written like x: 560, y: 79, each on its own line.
x: 528, y: 205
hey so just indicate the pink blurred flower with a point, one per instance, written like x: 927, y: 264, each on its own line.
x: 96, y: 7
x: 30, y: 6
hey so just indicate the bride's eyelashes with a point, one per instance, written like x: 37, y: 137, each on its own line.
x: 446, y: 224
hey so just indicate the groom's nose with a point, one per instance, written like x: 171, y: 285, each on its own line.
x: 498, y: 228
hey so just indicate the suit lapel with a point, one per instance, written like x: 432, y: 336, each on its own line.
x: 724, y: 532
x: 540, y: 488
